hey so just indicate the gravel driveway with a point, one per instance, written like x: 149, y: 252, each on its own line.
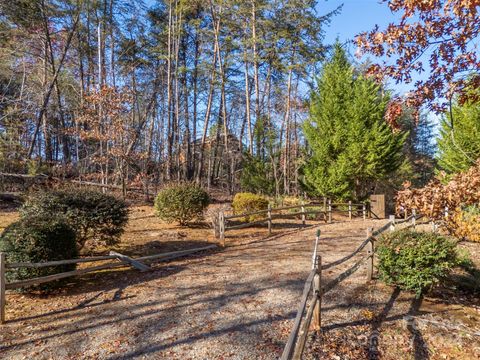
x: 237, y: 303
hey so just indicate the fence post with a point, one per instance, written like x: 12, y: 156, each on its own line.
x: 325, y: 208
x: 364, y: 209
x: 406, y: 214
x: 269, y: 216
x: 216, y: 227
x: 350, y: 209
x: 434, y: 227
x: 414, y: 219
x: 221, y: 222
x: 317, y: 288
x: 303, y: 214
x: 392, y: 222
x: 370, y: 251
x: 2, y: 287
x: 329, y: 210
x: 446, y: 212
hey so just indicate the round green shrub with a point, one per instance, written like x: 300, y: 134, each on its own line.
x: 249, y: 202
x: 416, y: 261
x: 181, y: 203
x: 38, y: 239
x: 95, y: 217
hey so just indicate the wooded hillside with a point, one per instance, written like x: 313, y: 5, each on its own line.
x: 135, y: 92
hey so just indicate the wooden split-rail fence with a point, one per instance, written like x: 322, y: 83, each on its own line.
x: 224, y: 223
x: 314, y: 288
x: 119, y: 260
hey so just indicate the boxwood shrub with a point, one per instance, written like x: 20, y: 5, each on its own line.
x: 38, y: 239
x: 416, y: 261
x: 96, y: 217
x: 249, y: 202
x: 181, y: 203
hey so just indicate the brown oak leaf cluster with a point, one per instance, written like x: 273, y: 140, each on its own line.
x: 438, y: 36
x: 461, y: 191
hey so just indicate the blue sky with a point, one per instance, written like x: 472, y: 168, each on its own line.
x: 358, y: 16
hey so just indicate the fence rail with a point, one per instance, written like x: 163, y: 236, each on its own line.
x: 120, y: 261
x: 298, y: 336
x: 221, y: 225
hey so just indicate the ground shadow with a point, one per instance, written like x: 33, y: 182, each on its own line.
x: 159, y: 246
x: 148, y: 316
x: 420, y: 348
x: 376, y: 323
x: 108, y: 280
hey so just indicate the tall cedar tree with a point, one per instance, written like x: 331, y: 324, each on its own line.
x: 459, y: 142
x: 351, y: 146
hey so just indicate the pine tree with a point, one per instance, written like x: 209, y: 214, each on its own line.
x: 423, y: 155
x: 351, y: 146
x: 459, y: 142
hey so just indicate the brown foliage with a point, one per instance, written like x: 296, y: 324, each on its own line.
x: 461, y: 191
x: 441, y: 31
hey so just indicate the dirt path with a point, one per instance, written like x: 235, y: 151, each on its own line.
x: 238, y: 303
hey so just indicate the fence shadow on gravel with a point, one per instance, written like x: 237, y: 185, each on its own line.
x: 114, y: 260
x: 315, y: 289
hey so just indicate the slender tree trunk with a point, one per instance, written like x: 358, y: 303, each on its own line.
x: 45, y: 123
x: 112, y: 46
x: 177, y: 139
x: 207, y: 112
x: 286, y: 157
x: 60, y: 132
x: 247, y: 104
x: 46, y: 97
x: 195, y: 92
x: 223, y: 95
x: 169, y: 95
x: 186, y: 95
x: 255, y: 66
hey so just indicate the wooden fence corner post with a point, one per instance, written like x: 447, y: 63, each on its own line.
x: 325, y: 209
x: 215, y: 225
x: 329, y: 210
x: 222, y: 227
x: 414, y: 219
x: 2, y: 287
x: 303, y: 214
x: 317, y: 315
x: 370, y: 252
x: 350, y: 209
x: 269, y: 216
x: 364, y: 210
x: 392, y: 222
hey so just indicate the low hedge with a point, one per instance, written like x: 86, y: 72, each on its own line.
x: 181, y: 203
x: 39, y: 239
x: 416, y: 261
x: 95, y: 217
x: 249, y: 202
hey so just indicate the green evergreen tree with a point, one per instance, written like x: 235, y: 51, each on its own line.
x: 255, y: 175
x: 258, y: 175
x: 351, y: 146
x: 459, y: 141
